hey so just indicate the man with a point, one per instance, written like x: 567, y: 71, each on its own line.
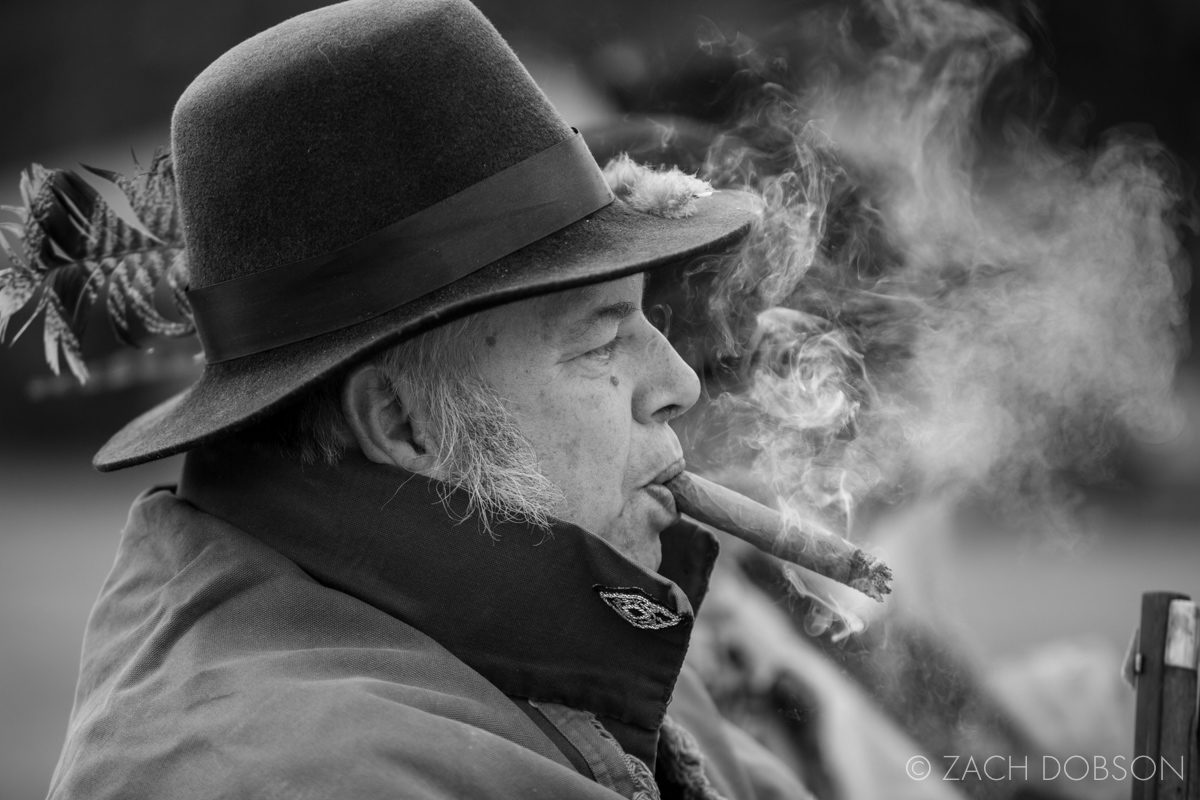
x: 421, y: 546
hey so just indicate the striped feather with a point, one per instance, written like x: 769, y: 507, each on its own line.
x: 68, y: 251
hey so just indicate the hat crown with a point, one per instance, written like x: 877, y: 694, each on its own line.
x: 338, y: 122
x: 365, y: 172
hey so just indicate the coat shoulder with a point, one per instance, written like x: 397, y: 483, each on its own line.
x: 213, y: 667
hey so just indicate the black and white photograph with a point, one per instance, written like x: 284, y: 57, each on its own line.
x: 710, y: 400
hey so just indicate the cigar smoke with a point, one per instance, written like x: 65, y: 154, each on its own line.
x: 945, y: 303
x: 939, y: 301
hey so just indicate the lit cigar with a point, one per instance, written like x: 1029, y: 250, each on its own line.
x: 767, y: 530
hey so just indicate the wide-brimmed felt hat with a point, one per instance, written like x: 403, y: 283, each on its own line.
x: 362, y: 173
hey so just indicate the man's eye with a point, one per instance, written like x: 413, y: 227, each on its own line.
x: 605, y: 352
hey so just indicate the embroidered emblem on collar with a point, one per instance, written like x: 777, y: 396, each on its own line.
x: 637, y: 608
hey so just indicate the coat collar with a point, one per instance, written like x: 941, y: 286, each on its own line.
x: 554, y: 616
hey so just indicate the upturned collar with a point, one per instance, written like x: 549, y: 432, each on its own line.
x: 549, y: 615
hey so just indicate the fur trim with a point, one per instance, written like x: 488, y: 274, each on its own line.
x: 668, y: 193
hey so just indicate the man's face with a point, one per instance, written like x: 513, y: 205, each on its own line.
x: 592, y: 385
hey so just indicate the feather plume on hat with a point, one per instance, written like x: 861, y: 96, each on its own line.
x: 70, y: 249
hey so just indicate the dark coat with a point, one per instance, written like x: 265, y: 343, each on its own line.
x: 341, y: 637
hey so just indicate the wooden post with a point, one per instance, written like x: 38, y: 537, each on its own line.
x: 1165, y: 664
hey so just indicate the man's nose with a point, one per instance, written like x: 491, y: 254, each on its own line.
x: 667, y: 386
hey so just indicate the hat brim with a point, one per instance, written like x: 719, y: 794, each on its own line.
x: 611, y: 243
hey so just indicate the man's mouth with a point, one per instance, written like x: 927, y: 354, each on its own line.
x: 656, y: 488
x: 669, y: 472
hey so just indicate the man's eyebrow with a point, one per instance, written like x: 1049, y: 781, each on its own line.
x: 609, y: 313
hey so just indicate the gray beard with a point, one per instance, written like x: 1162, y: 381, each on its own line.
x: 484, y: 453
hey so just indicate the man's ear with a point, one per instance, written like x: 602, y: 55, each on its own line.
x: 382, y: 423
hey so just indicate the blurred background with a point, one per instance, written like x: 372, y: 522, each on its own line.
x: 89, y: 82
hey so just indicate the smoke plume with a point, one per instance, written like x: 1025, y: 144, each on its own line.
x: 939, y: 300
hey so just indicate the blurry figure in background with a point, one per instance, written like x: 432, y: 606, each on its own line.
x: 421, y: 545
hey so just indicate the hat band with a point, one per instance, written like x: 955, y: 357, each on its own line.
x: 404, y: 261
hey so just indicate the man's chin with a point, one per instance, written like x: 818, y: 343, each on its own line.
x: 654, y: 512
x: 648, y: 555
